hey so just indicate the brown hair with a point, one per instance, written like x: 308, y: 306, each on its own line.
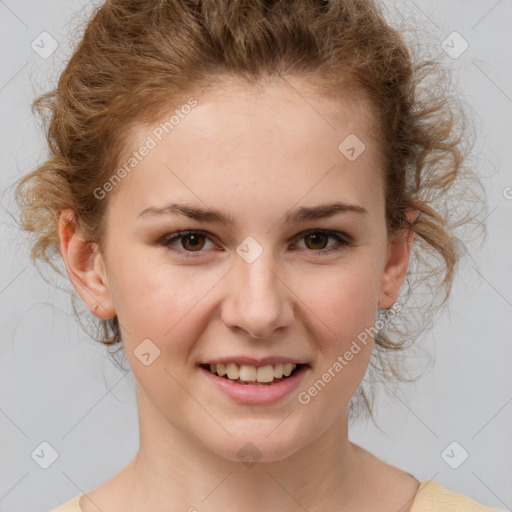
x: 136, y: 58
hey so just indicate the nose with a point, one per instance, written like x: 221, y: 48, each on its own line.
x: 258, y: 300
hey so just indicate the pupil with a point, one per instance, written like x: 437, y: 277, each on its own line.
x: 315, y: 236
x: 191, y: 236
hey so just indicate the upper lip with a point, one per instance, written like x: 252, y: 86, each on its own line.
x: 264, y: 361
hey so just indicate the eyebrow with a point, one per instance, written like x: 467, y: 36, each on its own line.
x: 216, y: 216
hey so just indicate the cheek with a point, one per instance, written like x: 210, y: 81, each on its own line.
x: 344, y: 308
x: 160, y: 301
x: 343, y: 299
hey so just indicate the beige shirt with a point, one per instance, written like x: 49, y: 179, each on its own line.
x: 431, y: 497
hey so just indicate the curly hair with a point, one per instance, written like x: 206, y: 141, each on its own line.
x: 136, y: 58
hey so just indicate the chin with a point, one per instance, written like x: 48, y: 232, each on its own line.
x: 258, y: 443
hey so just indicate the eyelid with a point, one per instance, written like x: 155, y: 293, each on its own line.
x: 329, y: 232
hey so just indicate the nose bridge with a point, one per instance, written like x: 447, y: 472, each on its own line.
x: 256, y: 296
x: 259, y: 278
x: 255, y: 264
x: 259, y: 284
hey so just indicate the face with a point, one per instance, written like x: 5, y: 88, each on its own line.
x: 284, y: 280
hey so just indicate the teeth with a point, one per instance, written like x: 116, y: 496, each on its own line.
x: 287, y: 369
x: 232, y: 371
x: 265, y: 373
x: 249, y: 373
x: 221, y: 369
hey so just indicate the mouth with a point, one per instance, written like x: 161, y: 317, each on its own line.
x: 247, y: 374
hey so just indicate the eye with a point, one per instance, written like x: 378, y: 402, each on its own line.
x: 316, y: 239
x: 193, y: 241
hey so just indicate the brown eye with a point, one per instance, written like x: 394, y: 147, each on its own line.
x: 193, y: 241
x: 317, y: 240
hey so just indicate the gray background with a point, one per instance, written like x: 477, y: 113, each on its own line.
x: 58, y: 386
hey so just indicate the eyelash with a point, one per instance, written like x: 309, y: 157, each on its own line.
x: 344, y: 240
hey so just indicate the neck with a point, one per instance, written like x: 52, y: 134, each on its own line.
x: 173, y: 471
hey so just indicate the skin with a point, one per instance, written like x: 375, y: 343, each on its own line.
x: 255, y: 154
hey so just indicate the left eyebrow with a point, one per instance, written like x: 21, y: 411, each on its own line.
x: 322, y: 211
x: 216, y: 216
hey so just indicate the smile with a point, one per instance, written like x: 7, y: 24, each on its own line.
x: 249, y: 374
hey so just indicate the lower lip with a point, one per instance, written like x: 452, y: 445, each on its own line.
x: 257, y: 394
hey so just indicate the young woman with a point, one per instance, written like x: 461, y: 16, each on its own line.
x: 238, y: 191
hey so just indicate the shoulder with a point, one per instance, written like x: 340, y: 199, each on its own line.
x: 433, y: 497
x: 69, y: 506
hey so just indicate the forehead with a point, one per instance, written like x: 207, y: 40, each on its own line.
x: 283, y: 111
x: 283, y: 134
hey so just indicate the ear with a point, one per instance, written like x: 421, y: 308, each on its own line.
x: 85, y: 267
x: 397, y: 263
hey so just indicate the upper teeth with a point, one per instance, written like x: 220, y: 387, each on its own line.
x: 249, y: 373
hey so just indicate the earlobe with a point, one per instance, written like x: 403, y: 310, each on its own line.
x: 397, y: 264
x: 85, y: 267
